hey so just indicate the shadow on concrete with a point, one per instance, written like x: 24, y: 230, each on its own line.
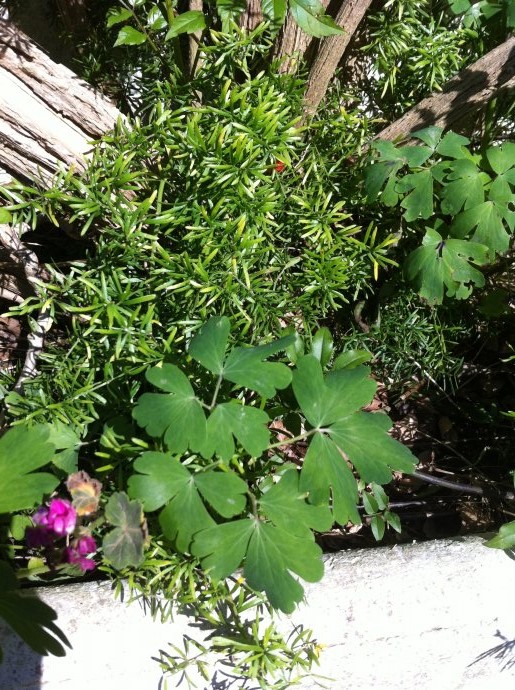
x: 504, y: 652
x: 21, y: 667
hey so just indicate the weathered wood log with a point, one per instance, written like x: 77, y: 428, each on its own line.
x: 462, y: 96
x: 331, y: 51
x: 48, y: 116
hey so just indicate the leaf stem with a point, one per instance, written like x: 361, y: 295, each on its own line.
x: 253, y: 504
x: 215, y: 393
x: 293, y: 439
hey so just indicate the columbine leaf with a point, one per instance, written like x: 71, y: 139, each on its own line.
x: 364, y: 440
x: 438, y: 263
x: 178, y: 416
x: 29, y: 617
x: 285, y: 505
x: 465, y: 187
x: 224, y: 491
x: 419, y: 202
x: 22, y: 450
x: 453, y: 146
x: 245, y: 367
x: 127, y: 36
x: 209, y: 344
x: 123, y: 546
x: 232, y: 420
x: 222, y: 548
x: 164, y: 480
x: 323, y: 401
x: 309, y: 15
x: 271, y: 554
x: 501, y: 158
x: 375, y: 177
x: 429, y: 135
x: 66, y: 440
x: 505, y: 539
x: 161, y: 478
x: 487, y: 220
x: 329, y: 480
x: 186, y: 23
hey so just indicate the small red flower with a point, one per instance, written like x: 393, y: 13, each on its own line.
x: 279, y: 166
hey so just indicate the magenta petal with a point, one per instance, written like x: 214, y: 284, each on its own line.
x: 72, y: 556
x: 62, y: 517
x: 85, y: 545
x: 40, y: 517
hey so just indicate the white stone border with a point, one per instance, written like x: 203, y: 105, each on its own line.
x: 427, y: 616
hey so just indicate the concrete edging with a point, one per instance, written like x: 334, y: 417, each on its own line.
x: 431, y: 616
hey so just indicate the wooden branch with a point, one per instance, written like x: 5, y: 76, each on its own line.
x: 462, y: 96
x: 48, y: 116
x: 193, y: 41
x: 331, y: 51
x: 20, y: 254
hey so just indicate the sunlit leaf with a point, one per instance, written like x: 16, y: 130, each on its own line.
x: 23, y: 450
x: 448, y: 263
x: 177, y: 416
x: 309, y: 15
x: 186, y: 23
x: 232, y: 420
x: 127, y: 36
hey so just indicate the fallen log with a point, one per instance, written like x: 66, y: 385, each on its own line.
x: 48, y: 116
x: 462, y: 96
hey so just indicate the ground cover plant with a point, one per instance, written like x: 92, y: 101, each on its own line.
x: 239, y: 290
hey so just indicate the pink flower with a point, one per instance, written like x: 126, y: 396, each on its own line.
x: 79, y: 549
x: 85, y: 545
x: 72, y: 556
x: 61, y: 516
x: 40, y: 517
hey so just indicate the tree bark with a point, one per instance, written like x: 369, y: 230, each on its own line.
x: 331, y: 51
x: 48, y: 116
x: 462, y: 96
x: 293, y: 44
x: 253, y: 15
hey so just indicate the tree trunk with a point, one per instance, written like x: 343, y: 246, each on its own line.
x: 48, y: 116
x: 293, y: 44
x: 331, y: 51
x: 462, y: 96
x: 253, y: 16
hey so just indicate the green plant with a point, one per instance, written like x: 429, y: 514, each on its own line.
x: 468, y: 197
x: 220, y: 493
x: 23, y: 450
x: 188, y: 215
x: 213, y: 479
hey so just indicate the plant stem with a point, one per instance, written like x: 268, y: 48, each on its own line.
x: 215, y: 393
x: 294, y: 439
